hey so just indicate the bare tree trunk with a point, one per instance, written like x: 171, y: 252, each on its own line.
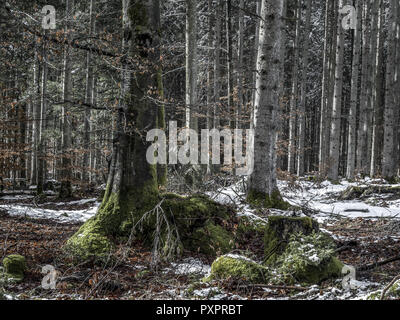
x: 294, y: 94
x: 388, y: 162
x: 240, y: 68
x: 41, y: 162
x: 303, y: 93
x: 362, y: 147
x: 66, y: 172
x: 86, y: 173
x: 217, y: 65
x: 191, y: 65
x: 36, y: 117
x: 262, y: 183
x: 352, y: 138
x: 376, y: 101
x: 334, y: 152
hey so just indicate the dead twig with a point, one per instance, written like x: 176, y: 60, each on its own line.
x: 389, y: 286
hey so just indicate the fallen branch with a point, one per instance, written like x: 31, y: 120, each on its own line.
x: 375, y: 265
x: 267, y: 286
x: 389, y: 286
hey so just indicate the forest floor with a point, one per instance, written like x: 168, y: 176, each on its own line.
x: 366, y: 231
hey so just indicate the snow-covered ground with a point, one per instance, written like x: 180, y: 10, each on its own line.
x: 61, y: 216
x: 318, y: 197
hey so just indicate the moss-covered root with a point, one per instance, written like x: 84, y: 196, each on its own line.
x: 273, y: 200
x: 89, y: 243
x: 14, y: 267
x: 202, y: 225
x: 237, y: 268
x: 279, y: 231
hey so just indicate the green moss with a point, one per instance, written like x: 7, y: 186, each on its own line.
x: 89, y: 243
x: 14, y: 267
x: 198, y: 221
x: 260, y: 199
x: 237, y: 268
x: 211, y: 240
x: 249, y: 225
x: 309, y: 259
x: 279, y: 231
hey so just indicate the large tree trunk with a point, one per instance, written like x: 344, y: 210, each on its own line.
x: 262, y: 183
x: 132, y: 183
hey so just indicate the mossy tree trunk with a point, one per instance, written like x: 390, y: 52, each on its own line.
x: 132, y: 187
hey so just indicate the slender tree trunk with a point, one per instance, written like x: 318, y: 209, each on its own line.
x: 378, y: 111
x: 217, y: 64
x: 191, y: 65
x: 240, y: 68
x: 36, y: 117
x: 41, y: 162
x: 86, y: 173
x: 334, y: 151
x: 294, y: 94
x: 388, y: 162
x: 66, y: 171
x: 325, y: 86
x: 303, y: 90
x: 362, y: 136
x: 352, y: 138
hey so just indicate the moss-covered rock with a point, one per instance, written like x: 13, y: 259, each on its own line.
x: 14, y: 267
x: 250, y: 225
x: 211, y: 240
x: 356, y: 192
x: 273, y: 200
x: 237, y: 268
x: 309, y: 259
x: 279, y: 231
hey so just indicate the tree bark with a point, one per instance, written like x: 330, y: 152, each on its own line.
x: 262, y: 183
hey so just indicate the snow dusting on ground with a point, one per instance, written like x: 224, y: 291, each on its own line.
x: 61, y: 216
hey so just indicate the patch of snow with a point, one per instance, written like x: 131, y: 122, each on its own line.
x: 62, y: 216
x: 190, y: 266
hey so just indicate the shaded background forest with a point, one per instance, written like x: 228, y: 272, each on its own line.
x: 339, y: 105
